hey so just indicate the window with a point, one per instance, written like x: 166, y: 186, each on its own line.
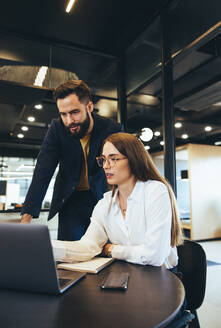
x: 16, y: 173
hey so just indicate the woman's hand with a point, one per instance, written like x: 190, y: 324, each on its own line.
x: 107, y: 249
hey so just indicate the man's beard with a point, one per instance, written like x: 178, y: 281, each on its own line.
x: 84, y: 126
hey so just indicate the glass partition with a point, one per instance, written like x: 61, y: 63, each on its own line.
x: 183, y: 191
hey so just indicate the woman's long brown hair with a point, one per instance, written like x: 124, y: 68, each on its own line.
x: 143, y: 168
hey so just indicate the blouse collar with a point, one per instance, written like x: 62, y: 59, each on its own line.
x: 135, y: 194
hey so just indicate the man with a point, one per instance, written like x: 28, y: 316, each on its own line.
x: 73, y: 141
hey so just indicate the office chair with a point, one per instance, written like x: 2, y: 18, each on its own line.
x: 192, y: 272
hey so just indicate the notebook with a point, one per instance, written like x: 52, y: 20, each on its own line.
x: 92, y: 266
x: 27, y: 261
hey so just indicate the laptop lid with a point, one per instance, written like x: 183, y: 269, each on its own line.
x: 27, y: 261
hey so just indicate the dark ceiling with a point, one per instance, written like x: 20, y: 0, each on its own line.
x: 88, y: 44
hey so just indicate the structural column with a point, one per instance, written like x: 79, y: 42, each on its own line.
x: 121, y: 92
x: 167, y: 101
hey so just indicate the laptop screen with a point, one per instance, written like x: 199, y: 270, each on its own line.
x: 27, y: 259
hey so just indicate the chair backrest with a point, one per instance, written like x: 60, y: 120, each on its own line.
x: 192, y: 265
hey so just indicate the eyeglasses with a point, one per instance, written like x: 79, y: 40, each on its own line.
x: 102, y: 160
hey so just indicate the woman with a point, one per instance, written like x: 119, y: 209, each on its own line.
x: 138, y: 216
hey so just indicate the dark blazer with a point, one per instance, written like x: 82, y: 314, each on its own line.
x: 59, y: 147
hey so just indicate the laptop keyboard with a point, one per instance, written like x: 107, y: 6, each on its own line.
x: 62, y: 281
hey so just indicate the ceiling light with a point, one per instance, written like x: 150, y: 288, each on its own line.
x: 217, y: 143
x: 24, y: 128
x: 41, y: 76
x: 25, y: 166
x: 39, y: 106
x: 16, y: 173
x: 217, y: 104
x: 146, y: 134
x: 147, y: 147
x: 14, y: 159
x: 208, y: 128
x: 144, y: 99
x: 178, y: 125
x: 162, y: 143
x: 157, y: 133
x: 184, y: 136
x: 31, y: 118
x: 69, y: 6
x: 17, y: 177
x: 20, y: 135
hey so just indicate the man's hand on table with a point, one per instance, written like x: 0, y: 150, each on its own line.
x: 26, y: 218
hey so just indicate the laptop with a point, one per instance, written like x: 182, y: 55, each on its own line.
x: 27, y: 261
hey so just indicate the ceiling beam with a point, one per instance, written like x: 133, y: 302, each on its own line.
x: 56, y: 43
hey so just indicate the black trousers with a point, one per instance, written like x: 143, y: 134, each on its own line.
x: 74, y: 217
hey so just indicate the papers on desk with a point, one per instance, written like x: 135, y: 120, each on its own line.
x: 92, y: 266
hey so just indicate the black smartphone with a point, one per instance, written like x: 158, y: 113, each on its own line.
x: 116, y: 280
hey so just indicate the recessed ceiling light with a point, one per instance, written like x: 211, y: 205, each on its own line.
x: 157, y: 133
x: 147, y: 147
x: 208, y: 128
x: 31, y: 118
x: 217, y: 143
x: 38, y: 106
x: 24, y: 128
x: 162, y: 143
x: 184, y: 136
x: 146, y: 134
x: 20, y: 135
x: 178, y: 125
x: 69, y: 6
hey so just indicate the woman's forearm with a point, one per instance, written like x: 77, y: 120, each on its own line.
x: 74, y: 251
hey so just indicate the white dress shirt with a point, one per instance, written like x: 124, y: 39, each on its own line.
x: 143, y: 236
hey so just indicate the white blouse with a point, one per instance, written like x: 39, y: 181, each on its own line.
x: 142, y: 237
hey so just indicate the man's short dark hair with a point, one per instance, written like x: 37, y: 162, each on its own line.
x: 77, y: 87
